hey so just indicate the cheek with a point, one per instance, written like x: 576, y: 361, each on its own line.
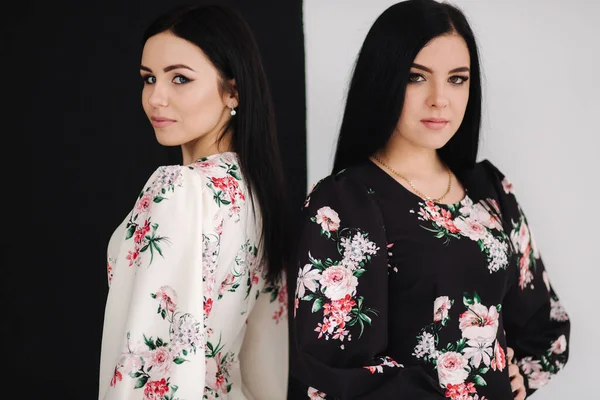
x: 460, y: 100
x: 145, y: 104
x: 411, y: 108
x: 202, y: 109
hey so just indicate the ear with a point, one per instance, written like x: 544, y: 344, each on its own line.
x: 230, y: 94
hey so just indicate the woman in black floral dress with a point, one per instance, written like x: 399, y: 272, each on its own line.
x: 399, y: 294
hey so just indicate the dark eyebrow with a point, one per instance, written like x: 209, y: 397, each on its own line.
x: 169, y: 68
x: 459, y: 69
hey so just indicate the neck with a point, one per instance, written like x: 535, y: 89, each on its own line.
x: 416, y: 162
x: 204, y: 147
x: 208, y: 143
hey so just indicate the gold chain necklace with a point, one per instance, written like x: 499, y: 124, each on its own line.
x: 413, y: 186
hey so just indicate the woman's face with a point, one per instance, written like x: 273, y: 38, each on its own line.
x: 182, y: 93
x: 437, y: 93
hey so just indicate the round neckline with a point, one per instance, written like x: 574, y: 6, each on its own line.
x: 416, y: 196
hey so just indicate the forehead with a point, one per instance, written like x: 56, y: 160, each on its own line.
x: 444, y: 53
x: 166, y: 49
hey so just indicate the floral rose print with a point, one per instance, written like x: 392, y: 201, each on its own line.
x: 452, y: 368
x: 158, y: 351
x: 224, y: 182
x: 218, y: 370
x: 151, y: 363
x: 331, y: 285
x: 477, y: 222
x: 526, y: 249
x: 538, y: 372
x: 461, y: 365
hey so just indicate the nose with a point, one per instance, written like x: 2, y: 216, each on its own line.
x: 158, y: 96
x: 437, y: 97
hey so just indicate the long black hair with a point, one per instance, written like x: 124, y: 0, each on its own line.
x: 228, y: 42
x: 376, y: 92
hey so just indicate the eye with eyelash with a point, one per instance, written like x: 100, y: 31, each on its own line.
x: 414, y: 77
x: 178, y: 80
x: 461, y: 78
x: 145, y: 79
x: 183, y: 80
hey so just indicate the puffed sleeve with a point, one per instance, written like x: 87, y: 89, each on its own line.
x: 537, y: 325
x: 340, y: 322
x: 153, y: 343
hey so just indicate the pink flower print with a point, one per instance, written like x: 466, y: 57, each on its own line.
x: 109, y: 270
x: 158, y: 361
x: 538, y: 379
x: 229, y: 185
x: 314, y: 394
x: 525, y: 274
x: 133, y: 256
x: 208, y: 303
x: 167, y: 298
x: 507, y: 186
x: 117, y: 377
x: 441, y: 306
x: 144, y: 203
x: 328, y: 219
x: 156, y: 390
x: 141, y: 231
x: 462, y: 391
x: 479, y: 323
x: 337, y: 282
x: 471, y: 228
x: 451, y: 368
x: 560, y: 345
x: 529, y: 365
x: 499, y: 361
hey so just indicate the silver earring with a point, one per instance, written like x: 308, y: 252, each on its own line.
x: 233, y: 112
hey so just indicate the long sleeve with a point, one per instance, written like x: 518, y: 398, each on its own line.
x: 537, y: 326
x: 340, y: 322
x: 153, y: 341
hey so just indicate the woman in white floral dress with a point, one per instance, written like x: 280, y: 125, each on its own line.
x: 196, y: 307
x: 401, y: 295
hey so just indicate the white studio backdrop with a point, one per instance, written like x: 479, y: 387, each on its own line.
x: 541, y: 72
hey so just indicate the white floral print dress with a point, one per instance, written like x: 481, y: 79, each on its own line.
x: 401, y: 298
x: 189, y: 314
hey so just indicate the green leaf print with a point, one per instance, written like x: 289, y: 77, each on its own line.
x: 130, y: 231
x: 158, y: 199
x: 316, y: 263
x: 358, y: 273
x: 141, y: 382
x: 479, y: 381
x: 467, y: 301
x: 149, y: 342
x: 179, y: 360
x: 317, y: 305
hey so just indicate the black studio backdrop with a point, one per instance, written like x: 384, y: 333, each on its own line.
x: 71, y: 78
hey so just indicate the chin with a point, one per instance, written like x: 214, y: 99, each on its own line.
x: 167, y: 140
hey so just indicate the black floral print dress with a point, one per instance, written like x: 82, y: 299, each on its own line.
x: 401, y: 298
